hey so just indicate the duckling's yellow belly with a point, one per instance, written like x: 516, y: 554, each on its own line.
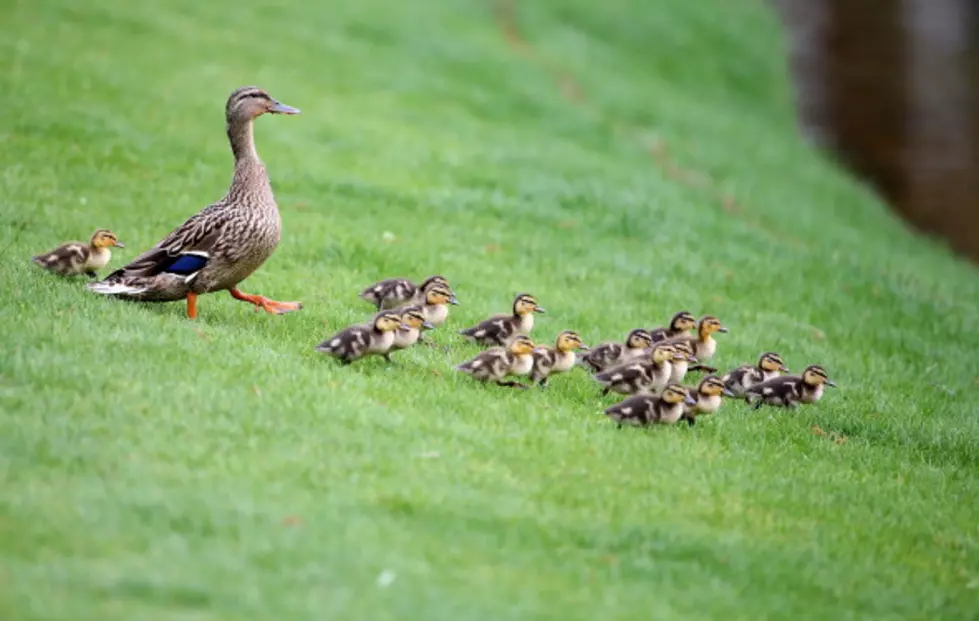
x: 812, y: 394
x: 704, y: 350
x: 670, y: 414
x: 522, y: 365
x: 563, y: 362
x: 708, y: 405
x: 436, y: 314
x: 381, y: 343
x: 405, y: 338
x: 99, y: 259
x: 526, y: 323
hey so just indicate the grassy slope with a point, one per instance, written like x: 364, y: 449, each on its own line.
x: 152, y: 468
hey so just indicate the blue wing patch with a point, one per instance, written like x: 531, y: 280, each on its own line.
x: 187, y: 264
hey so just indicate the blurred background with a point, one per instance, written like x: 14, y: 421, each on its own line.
x: 889, y: 87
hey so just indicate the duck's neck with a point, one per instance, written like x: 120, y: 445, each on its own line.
x: 249, y: 170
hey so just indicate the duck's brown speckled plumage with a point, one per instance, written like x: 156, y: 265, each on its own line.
x: 224, y: 243
x: 608, y: 355
x: 358, y: 341
x: 557, y: 359
x: 680, y: 324
x: 642, y: 410
x: 641, y: 376
x: 500, y: 330
x: 496, y: 363
x: 790, y: 390
x: 397, y: 292
x: 769, y: 366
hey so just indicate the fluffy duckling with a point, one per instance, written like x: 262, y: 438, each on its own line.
x: 769, y: 366
x: 557, y: 359
x: 703, y: 343
x: 790, y: 390
x: 436, y: 300
x: 413, y: 319
x: 641, y: 376
x: 609, y: 355
x: 359, y: 341
x: 708, y: 398
x: 495, y: 364
x: 681, y: 323
x: 501, y: 329
x: 643, y: 410
x: 682, y: 364
x: 74, y: 258
x: 396, y: 292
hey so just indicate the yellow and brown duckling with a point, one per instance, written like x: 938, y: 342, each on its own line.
x: 435, y: 305
x: 680, y: 324
x: 641, y: 376
x: 790, y: 390
x: 769, y: 366
x: 703, y: 343
x: 413, y: 318
x: 708, y: 398
x: 73, y: 258
x: 642, y: 410
x: 358, y: 341
x: 502, y: 329
x: 396, y: 292
x: 609, y: 355
x: 558, y: 359
x: 681, y: 364
x: 497, y: 363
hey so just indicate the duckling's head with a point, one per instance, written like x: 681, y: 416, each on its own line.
x: 439, y: 294
x: 639, y: 339
x: 709, y: 325
x: 569, y: 341
x: 815, y: 375
x: 770, y: 361
x: 524, y: 304
x: 664, y: 353
x: 249, y: 102
x: 388, y: 322
x: 674, y: 393
x: 413, y: 318
x: 712, y: 386
x: 522, y: 345
x: 685, y: 351
x: 683, y: 322
x: 432, y: 281
x: 104, y: 238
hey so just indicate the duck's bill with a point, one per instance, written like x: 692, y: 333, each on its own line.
x: 583, y: 347
x: 830, y: 383
x: 454, y: 301
x: 539, y: 309
x: 428, y: 325
x: 690, y: 400
x: 784, y: 369
x: 692, y: 359
x: 119, y: 244
x: 722, y: 329
x: 728, y: 392
x: 281, y: 108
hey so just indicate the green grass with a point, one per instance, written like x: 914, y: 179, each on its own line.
x: 155, y: 468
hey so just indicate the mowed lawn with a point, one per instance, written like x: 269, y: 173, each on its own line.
x: 621, y: 162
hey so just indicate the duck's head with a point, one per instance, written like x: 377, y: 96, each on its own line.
x: 684, y: 351
x: 249, y: 102
x: 713, y: 386
x: 674, y: 393
x: 569, y: 341
x: 439, y: 294
x: 412, y: 317
x: 388, y: 322
x: 638, y: 339
x: 709, y: 325
x: 104, y: 238
x: 684, y: 321
x: 664, y: 353
x: 524, y: 304
x: 815, y: 375
x: 770, y: 361
x: 432, y: 281
x: 522, y: 345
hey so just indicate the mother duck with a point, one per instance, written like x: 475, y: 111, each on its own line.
x: 224, y: 243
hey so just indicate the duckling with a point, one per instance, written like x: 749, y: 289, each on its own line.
x: 790, y: 390
x: 359, y: 341
x: 640, y: 376
x: 501, y: 329
x: 413, y: 319
x: 643, y: 410
x: 496, y: 363
x: 769, y: 366
x: 75, y: 258
x: 703, y: 344
x: 436, y: 299
x: 609, y: 355
x: 557, y: 359
x: 707, y: 397
x: 681, y: 364
x: 681, y: 323
x: 395, y: 292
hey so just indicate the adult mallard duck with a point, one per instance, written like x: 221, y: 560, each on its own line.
x: 226, y: 242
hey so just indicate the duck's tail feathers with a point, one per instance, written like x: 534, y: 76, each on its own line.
x: 115, y: 288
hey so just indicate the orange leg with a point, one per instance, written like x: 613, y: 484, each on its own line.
x: 269, y: 306
x: 192, y: 305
